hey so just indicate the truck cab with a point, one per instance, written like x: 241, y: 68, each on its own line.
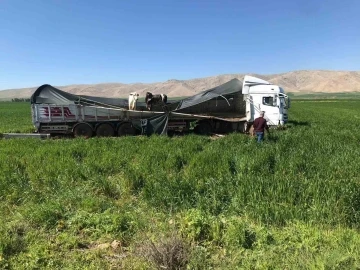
x: 260, y: 96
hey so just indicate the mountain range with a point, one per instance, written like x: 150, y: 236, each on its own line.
x: 304, y: 81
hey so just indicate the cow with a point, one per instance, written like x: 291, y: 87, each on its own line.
x: 151, y: 100
x: 133, y: 97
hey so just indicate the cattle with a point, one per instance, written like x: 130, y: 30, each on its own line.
x: 133, y: 97
x: 151, y: 99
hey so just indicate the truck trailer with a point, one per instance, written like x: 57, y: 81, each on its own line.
x: 230, y: 107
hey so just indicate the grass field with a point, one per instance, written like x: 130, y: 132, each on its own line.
x: 188, y: 202
x: 15, y: 117
x: 321, y: 95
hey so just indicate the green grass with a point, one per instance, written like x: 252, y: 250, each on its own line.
x: 292, y: 202
x: 15, y: 117
x: 325, y: 96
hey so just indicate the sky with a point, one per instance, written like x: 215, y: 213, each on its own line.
x: 63, y: 42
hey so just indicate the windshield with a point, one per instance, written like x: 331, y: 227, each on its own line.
x: 282, y: 102
x: 285, y: 102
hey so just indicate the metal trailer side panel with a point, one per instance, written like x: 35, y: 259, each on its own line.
x: 52, y: 114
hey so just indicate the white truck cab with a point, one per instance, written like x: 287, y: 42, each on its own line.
x: 263, y: 96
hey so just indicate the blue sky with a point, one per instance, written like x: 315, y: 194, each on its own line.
x: 63, y: 42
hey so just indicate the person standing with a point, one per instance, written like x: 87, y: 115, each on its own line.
x: 259, y: 127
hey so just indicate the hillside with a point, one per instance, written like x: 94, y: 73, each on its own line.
x: 296, y: 82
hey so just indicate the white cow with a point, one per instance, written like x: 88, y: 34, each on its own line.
x: 133, y: 97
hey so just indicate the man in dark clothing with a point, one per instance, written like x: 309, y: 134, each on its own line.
x: 259, y: 127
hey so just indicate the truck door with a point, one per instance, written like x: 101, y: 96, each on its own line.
x: 270, y: 105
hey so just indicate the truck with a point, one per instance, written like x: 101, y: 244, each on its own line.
x: 230, y: 107
x: 261, y: 95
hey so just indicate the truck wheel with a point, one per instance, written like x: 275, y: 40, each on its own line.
x: 126, y: 129
x: 105, y: 130
x: 83, y: 130
x: 203, y: 128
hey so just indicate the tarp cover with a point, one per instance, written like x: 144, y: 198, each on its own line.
x: 47, y: 94
x: 153, y: 125
x: 233, y: 86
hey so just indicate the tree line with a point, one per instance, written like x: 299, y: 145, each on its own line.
x: 20, y: 100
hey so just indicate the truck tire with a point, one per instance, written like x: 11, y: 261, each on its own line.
x: 203, y: 128
x: 126, y: 129
x: 83, y: 130
x: 105, y: 130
